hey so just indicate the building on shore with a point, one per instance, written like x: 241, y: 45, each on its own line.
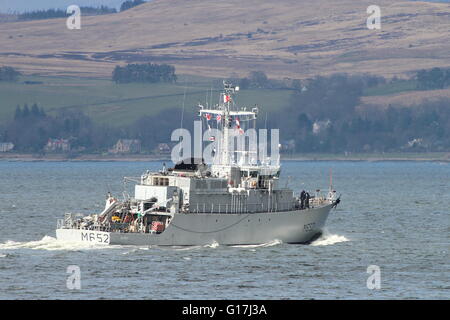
x: 57, y: 145
x: 126, y: 146
x: 6, y: 146
x: 162, y: 149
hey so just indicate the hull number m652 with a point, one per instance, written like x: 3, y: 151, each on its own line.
x: 97, y: 237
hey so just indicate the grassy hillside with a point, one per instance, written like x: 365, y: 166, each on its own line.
x: 287, y: 38
x: 406, y: 97
x: 117, y: 105
x: 392, y: 88
x: 121, y: 104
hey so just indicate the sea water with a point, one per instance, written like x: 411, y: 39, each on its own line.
x: 393, y: 215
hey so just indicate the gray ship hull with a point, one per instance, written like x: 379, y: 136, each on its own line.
x: 299, y: 226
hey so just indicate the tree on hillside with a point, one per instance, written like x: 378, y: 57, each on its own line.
x: 330, y: 97
x: 258, y: 79
x: 35, y: 112
x: 97, y: 11
x: 18, y: 113
x: 26, y: 111
x: 130, y: 4
x: 144, y: 73
x: 435, y: 78
x: 9, y: 74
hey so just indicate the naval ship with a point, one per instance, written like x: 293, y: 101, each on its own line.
x: 226, y: 201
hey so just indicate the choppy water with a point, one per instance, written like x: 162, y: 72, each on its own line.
x: 393, y: 215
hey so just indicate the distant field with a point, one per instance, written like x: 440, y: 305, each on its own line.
x: 392, y: 88
x: 121, y: 104
x: 295, y: 39
x: 406, y: 98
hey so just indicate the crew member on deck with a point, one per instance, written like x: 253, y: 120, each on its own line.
x: 302, y: 199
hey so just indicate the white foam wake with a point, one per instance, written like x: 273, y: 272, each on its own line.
x: 213, y: 245
x: 328, y: 238
x: 262, y: 245
x: 186, y: 248
x: 48, y: 243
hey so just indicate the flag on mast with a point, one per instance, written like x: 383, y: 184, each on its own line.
x: 238, y: 126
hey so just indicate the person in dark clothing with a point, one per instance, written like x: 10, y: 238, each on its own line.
x: 302, y: 199
x: 307, y: 197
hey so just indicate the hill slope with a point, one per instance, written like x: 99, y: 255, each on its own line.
x: 287, y: 38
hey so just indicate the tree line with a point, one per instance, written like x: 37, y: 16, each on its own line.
x: 259, y: 80
x: 59, y: 13
x: 25, y: 113
x: 424, y: 128
x: 86, y: 10
x: 130, y: 4
x: 435, y: 78
x: 31, y: 128
x: 148, y: 72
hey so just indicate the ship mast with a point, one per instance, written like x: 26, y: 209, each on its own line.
x: 227, y: 112
x: 227, y: 122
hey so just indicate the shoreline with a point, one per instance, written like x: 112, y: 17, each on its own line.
x: 416, y: 157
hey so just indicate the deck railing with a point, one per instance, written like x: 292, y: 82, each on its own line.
x: 243, y: 207
x: 239, y: 207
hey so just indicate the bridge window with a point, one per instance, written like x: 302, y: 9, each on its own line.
x: 160, y: 181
